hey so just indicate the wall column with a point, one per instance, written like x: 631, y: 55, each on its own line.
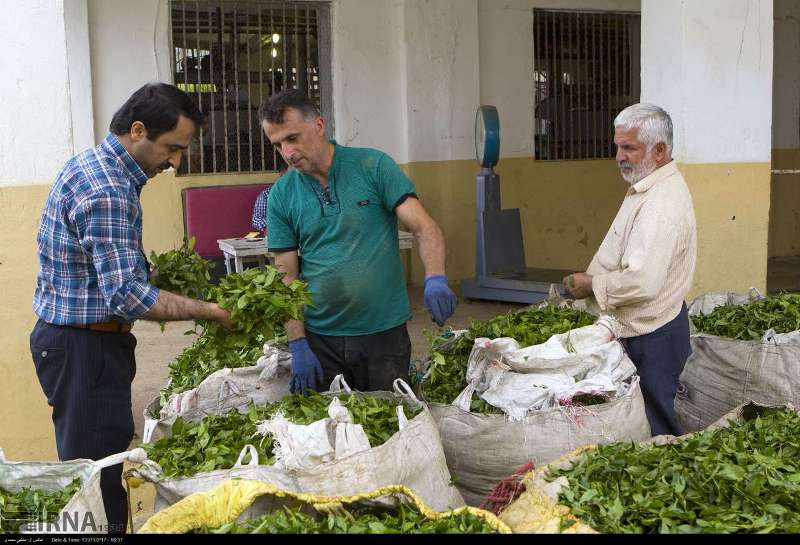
x: 709, y: 64
x: 46, y: 116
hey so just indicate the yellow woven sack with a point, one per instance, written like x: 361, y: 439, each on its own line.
x: 537, y: 510
x: 230, y: 499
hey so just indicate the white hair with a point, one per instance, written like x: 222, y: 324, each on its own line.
x: 654, y: 124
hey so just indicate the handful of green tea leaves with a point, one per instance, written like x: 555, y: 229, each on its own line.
x: 182, y: 271
x: 216, y: 441
x: 403, y: 519
x: 28, y: 505
x: 749, y: 322
x: 446, y: 376
x: 259, y: 302
x: 744, y: 479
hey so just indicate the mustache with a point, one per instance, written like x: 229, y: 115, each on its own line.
x: 625, y: 164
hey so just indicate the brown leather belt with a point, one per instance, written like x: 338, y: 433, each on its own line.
x: 108, y: 327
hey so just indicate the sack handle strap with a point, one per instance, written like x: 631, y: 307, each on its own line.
x: 338, y: 384
x: 248, y: 449
x: 402, y: 388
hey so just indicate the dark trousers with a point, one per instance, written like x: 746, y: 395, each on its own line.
x: 86, y: 376
x: 659, y: 358
x: 368, y: 362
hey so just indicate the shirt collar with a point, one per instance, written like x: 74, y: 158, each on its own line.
x: 131, y: 166
x: 335, y: 155
x: 657, y: 175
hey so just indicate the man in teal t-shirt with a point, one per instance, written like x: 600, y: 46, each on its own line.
x: 339, y: 207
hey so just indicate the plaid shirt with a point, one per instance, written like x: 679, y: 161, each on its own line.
x: 92, y: 265
x: 259, y: 220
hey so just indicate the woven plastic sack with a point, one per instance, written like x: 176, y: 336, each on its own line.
x: 85, y: 512
x: 265, y: 382
x: 232, y: 500
x: 537, y: 510
x: 484, y: 449
x: 519, y: 380
x: 723, y: 373
x: 413, y: 457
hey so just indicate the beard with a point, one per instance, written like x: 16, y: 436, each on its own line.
x: 633, y: 173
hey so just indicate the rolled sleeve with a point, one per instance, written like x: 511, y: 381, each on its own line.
x: 106, y: 231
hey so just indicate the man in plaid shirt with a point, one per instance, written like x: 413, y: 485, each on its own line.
x: 93, y: 281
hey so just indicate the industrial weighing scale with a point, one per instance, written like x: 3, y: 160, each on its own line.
x: 500, y: 271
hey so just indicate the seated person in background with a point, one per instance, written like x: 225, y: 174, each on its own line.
x: 259, y: 221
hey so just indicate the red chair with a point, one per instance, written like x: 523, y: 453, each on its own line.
x: 217, y: 212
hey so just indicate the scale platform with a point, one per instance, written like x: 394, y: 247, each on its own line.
x: 528, y: 286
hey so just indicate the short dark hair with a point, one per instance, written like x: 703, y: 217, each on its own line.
x: 158, y: 106
x: 275, y: 108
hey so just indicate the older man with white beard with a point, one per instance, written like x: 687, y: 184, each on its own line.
x: 643, y: 269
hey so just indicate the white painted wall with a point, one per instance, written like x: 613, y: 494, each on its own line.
x: 368, y: 61
x: 786, y: 79
x: 35, y: 109
x: 130, y: 43
x: 405, y: 76
x: 714, y: 76
x: 76, y: 22
x: 506, y: 62
x: 443, y: 84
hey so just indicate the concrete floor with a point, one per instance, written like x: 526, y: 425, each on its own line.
x: 156, y: 349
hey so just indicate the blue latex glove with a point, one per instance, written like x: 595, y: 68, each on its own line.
x: 439, y: 299
x: 306, y: 369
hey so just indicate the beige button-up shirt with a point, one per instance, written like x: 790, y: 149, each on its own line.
x: 644, y: 267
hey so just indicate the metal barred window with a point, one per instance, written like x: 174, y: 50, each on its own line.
x: 586, y: 69
x: 230, y: 56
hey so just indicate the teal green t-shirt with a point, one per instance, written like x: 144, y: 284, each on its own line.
x: 347, y: 239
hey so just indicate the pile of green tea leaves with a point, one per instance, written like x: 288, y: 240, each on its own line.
x: 209, y: 354
x: 751, y: 321
x: 446, y: 375
x: 216, y: 441
x: 182, y: 271
x: 28, y: 505
x: 260, y: 304
x: 743, y: 479
x: 403, y: 519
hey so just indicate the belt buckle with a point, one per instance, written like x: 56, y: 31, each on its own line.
x: 122, y: 327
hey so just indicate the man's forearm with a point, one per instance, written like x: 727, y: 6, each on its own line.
x: 295, y: 329
x: 431, y: 250
x: 287, y: 263
x: 171, y: 307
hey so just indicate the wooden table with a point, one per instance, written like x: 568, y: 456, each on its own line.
x: 240, y: 250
